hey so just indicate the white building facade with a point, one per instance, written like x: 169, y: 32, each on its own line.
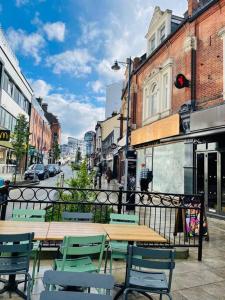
x: 15, y: 98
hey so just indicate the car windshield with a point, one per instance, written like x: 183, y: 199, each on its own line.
x: 39, y: 167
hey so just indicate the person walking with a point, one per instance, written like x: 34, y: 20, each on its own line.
x: 108, y: 175
x: 145, y: 178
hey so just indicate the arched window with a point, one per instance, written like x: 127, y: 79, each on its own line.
x: 153, y: 100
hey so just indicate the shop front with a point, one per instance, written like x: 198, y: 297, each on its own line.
x: 209, y: 127
x: 167, y: 161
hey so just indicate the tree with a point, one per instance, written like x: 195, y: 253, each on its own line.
x: 56, y: 151
x: 19, y: 138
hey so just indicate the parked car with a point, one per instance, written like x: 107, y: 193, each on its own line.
x: 58, y: 169
x: 52, y: 170
x: 38, y: 170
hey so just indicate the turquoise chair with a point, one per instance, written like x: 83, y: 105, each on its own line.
x: 84, y: 247
x: 31, y: 215
x: 118, y: 249
x: 156, y: 275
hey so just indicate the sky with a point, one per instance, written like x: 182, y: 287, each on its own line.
x: 66, y: 48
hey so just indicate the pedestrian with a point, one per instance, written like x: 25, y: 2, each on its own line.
x: 145, y: 178
x: 108, y: 175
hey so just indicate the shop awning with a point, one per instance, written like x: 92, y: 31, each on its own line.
x: 6, y: 144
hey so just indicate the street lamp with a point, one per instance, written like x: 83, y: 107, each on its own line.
x: 116, y: 67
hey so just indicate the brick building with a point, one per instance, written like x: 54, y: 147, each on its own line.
x: 55, y: 129
x: 40, y: 138
x: 180, y: 132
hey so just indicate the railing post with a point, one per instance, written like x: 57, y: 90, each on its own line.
x: 120, y: 199
x: 4, y: 199
x: 202, y: 209
x: 100, y: 181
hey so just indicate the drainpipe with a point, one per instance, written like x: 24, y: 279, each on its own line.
x: 193, y: 79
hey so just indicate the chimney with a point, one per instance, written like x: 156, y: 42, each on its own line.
x: 136, y: 62
x: 39, y: 100
x: 192, y: 6
x: 45, y: 107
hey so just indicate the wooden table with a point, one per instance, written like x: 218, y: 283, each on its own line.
x: 133, y: 233
x: 40, y: 229
x: 57, y: 230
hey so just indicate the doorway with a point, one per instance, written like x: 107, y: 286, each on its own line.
x: 210, y: 177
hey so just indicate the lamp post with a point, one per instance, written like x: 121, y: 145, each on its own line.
x: 116, y: 67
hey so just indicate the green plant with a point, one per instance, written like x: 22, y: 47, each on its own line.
x: 56, y: 151
x: 75, y: 166
x: 78, y: 200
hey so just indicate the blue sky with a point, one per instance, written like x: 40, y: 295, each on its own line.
x: 66, y: 47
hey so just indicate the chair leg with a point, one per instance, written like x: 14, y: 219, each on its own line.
x: 111, y: 259
x: 29, y: 286
x: 39, y: 258
x: 160, y: 297
x: 169, y: 296
x: 34, y: 268
x: 125, y: 294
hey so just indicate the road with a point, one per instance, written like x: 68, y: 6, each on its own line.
x: 33, y: 193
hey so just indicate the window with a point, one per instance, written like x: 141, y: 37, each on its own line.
x: 153, y: 100
x: 162, y: 33
x: 152, y: 43
x: 7, y: 120
x: 165, y: 100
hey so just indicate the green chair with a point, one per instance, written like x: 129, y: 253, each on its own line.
x: 119, y: 249
x: 31, y: 215
x: 82, y: 246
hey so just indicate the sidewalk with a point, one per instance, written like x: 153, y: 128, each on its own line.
x: 194, y: 280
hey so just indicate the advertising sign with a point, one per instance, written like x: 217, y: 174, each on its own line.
x: 4, y: 135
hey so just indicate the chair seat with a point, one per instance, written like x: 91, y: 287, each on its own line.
x: 153, y: 281
x: 82, y: 264
x: 13, y: 264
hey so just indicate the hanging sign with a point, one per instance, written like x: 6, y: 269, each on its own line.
x: 4, y: 135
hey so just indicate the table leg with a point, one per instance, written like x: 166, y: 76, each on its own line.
x: 11, y: 286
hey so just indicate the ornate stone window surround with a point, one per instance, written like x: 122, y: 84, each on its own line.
x: 155, y: 78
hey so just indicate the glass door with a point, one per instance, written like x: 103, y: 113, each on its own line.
x: 212, y: 181
x: 209, y: 180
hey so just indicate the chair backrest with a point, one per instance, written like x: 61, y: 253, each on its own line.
x: 77, y: 217
x: 28, y: 214
x: 78, y: 279
x: 158, y: 259
x: 83, y: 245
x: 61, y: 295
x: 18, y: 245
x: 124, y: 219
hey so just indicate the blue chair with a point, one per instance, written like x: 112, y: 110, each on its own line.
x: 77, y: 217
x: 53, y: 280
x: 15, y: 255
x: 144, y: 281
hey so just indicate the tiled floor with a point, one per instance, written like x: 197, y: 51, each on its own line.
x: 192, y: 279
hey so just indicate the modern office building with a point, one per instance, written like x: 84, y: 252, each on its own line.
x: 113, y: 98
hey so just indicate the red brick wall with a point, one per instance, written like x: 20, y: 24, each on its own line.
x: 209, y: 64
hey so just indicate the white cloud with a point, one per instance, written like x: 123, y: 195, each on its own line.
x: 89, y: 32
x: 21, y: 2
x: 97, y: 86
x: 100, y: 99
x: 25, y: 43
x: 76, y: 62
x: 76, y: 117
x: 55, y: 31
x: 40, y: 87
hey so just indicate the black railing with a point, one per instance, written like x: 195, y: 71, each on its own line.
x: 178, y: 218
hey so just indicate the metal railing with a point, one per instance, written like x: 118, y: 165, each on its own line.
x: 178, y: 218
